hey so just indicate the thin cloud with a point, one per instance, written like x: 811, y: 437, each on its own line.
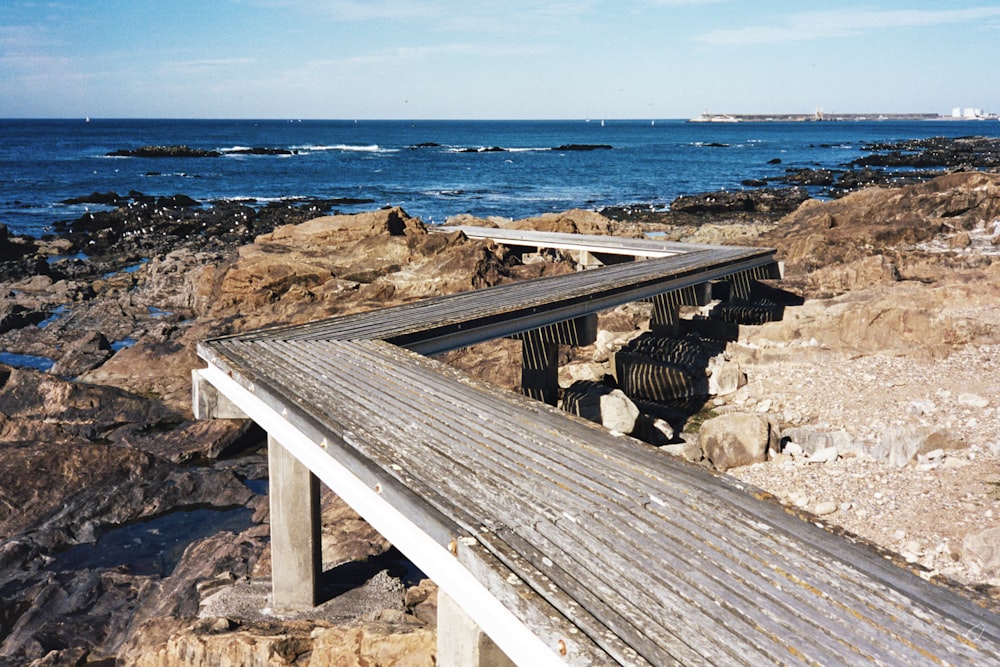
x: 441, y: 13
x: 212, y: 63
x: 681, y: 3
x: 354, y: 10
x: 833, y: 24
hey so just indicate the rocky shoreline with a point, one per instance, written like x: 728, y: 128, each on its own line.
x: 875, y: 390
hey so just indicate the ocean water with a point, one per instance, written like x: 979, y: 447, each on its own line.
x: 433, y: 169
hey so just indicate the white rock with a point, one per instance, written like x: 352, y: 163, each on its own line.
x: 618, y: 412
x: 983, y: 550
x: 825, y: 508
x: 725, y: 377
x: 764, y: 405
x: 570, y: 373
x: 824, y: 455
x: 921, y: 406
x: 793, y: 449
x: 973, y: 401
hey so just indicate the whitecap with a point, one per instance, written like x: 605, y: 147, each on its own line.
x: 355, y: 148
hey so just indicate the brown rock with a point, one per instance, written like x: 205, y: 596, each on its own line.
x: 321, y: 644
x: 820, y: 236
x: 736, y: 439
x: 87, y: 352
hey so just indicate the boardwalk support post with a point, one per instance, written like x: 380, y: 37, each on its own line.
x: 460, y: 642
x: 296, y: 557
x: 207, y: 402
x: 540, y: 354
x: 666, y: 306
x: 539, y: 367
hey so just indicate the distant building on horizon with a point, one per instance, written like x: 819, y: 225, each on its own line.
x: 969, y: 113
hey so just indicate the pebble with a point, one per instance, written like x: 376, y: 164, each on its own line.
x: 973, y: 401
x: 825, y: 508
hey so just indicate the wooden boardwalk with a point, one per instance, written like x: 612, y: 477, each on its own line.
x: 564, y: 543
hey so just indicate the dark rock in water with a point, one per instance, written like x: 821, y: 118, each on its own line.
x: 140, y: 198
x: 583, y: 147
x: 15, y: 316
x: 164, y: 151
x: 177, y: 201
x: 425, y: 144
x: 154, y: 226
x: 942, y: 152
x: 820, y: 177
x: 327, y: 204
x: 260, y: 151
x: 109, y: 198
x: 14, y: 248
x: 774, y: 200
x: 776, y: 160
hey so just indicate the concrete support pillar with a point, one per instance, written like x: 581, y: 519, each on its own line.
x: 460, y: 642
x: 296, y: 554
x: 539, y: 367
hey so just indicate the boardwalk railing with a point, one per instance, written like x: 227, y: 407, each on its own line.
x: 561, y: 542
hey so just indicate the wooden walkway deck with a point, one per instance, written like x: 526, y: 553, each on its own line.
x: 564, y: 543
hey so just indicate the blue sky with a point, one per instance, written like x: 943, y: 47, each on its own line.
x: 513, y: 59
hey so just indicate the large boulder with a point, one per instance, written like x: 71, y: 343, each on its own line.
x: 737, y: 439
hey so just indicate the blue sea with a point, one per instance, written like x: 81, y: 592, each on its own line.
x: 433, y: 169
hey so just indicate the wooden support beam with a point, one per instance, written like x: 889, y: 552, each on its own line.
x: 577, y: 332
